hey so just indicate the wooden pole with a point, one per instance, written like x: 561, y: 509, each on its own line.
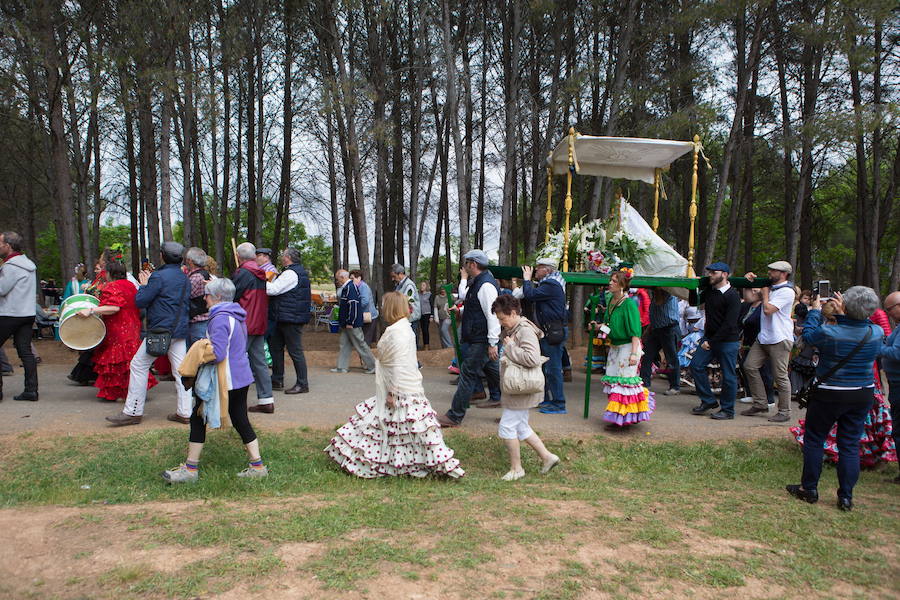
x: 237, y: 263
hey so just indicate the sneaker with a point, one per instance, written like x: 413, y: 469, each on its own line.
x: 548, y: 466
x: 513, y: 475
x: 672, y: 392
x: 181, y: 474
x: 545, y: 404
x: 746, y: 400
x: 338, y: 370
x: 779, y: 418
x: 369, y: 371
x: 453, y: 370
x: 552, y: 410
x: 254, y: 472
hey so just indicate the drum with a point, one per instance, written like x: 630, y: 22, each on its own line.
x: 77, y: 332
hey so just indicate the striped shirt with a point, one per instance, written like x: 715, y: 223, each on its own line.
x: 665, y: 314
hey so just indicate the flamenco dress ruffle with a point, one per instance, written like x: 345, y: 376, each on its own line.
x: 113, y: 367
x: 876, y: 443
x: 407, y: 441
x: 629, y: 401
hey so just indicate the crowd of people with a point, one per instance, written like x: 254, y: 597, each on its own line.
x: 215, y: 337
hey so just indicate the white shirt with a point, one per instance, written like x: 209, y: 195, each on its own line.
x: 778, y: 326
x: 283, y: 283
x: 486, y: 296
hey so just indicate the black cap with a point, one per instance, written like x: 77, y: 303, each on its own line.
x: 266, y: 251
x: 172, y: 252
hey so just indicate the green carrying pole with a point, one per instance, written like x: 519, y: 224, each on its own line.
x: 448, y: 287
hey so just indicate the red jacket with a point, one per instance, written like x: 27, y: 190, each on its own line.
x: 250, y: 292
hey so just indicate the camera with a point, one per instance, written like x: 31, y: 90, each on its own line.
x: 823, y: 289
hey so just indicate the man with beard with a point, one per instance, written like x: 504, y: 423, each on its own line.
x: 720, y: 339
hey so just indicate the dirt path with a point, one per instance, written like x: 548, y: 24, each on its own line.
x: 65, y: 408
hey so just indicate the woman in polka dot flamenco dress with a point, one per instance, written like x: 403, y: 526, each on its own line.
x: 396, y: 431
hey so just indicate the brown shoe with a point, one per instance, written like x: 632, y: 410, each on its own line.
x: 297, y: 389
x: 495, y: 404
x: 262, y: 408
x: 179, y: 419
x: 122, y: 419
x: 755, y: 410
x: 446, y: 422
x: 478, y: 396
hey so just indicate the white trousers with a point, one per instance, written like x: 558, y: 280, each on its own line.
x: 140, y: 370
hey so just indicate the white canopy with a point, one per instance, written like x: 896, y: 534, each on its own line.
x: 618, y: 157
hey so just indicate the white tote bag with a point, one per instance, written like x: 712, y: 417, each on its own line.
x: 518, y: 380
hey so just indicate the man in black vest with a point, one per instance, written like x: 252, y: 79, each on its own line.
x: 289, y: 308
x: 481, y: 331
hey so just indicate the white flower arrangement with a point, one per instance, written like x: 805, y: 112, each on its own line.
x: 596, y: 245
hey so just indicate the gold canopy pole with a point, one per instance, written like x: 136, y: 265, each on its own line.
x: 656, y: 199
x: 693, y: 212
x: 549, y: 215
x: 568, y: 198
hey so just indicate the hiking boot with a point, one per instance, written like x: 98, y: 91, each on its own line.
x: 779, y: 418
x: 181, y: 474
x: 254, y: 472
x: 754, y: 410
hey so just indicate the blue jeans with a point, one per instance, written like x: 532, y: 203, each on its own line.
x: 826, y: 408
x: 553, y: 386
x: 726, y: 352
x: 665, y: 339
x: 479, y: 386
x: 196, y: 331
x: 473, y: 364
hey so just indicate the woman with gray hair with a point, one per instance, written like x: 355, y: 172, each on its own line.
x: 195, y: 260
x: 845, y: 389
x: 227, y: 337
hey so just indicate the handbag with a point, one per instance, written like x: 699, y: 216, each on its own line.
x: 806, y: 393
x: 518, y: 380
x: 554, y: 333
x: 367, y: 317
x: 158, y: 341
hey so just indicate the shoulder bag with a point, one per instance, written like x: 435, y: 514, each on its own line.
x: 518, y: 380
x: 157, y: 342
x: 806, y: 393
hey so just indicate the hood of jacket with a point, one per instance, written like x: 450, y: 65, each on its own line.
x: 254, y: 268
x: 523, y: 322
x: 21, y: 261
x: 231, y: 309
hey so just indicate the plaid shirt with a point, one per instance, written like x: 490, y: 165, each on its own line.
x: 198, y: 289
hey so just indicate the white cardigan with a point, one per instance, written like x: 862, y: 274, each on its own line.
x: 396, y: 369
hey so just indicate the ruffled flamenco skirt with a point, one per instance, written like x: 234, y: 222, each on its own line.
x: 112, y: 363
x: 407, y: 441
x: 876, y: 444
x: 629, y: 401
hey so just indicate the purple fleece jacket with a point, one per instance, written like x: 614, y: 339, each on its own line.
x: 236, y: 348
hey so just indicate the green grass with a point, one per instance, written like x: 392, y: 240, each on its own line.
x: 675, y: 518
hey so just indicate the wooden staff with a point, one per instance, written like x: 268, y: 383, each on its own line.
x: 234, y: 249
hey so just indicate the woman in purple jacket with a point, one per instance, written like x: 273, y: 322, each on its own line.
x: 228, y: 334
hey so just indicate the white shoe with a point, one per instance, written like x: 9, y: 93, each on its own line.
x: 746, y: 400
x: 369, y: 371
x: 549, y: 464
x: 672, y: 392
x: 335, y: 370
x: 254, y: 473
x: 513, y: 475
x: 181, y: 474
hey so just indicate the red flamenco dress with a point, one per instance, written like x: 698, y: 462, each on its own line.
x: 112, y: 358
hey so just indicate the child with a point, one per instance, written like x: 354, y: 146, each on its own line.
x: 520, y: 342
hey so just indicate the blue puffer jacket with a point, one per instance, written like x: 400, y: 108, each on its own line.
x: 837, y: 341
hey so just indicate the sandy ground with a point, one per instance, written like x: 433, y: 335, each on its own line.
x: 67, y: 408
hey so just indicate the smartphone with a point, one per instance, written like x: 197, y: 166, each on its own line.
x: 823, y: 289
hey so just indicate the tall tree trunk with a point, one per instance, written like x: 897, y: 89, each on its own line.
x: 138, y: 247
x: 225, y: 49
x: 147, y: 160
x: 251, y: 150
x: 261, y: 132
x: 512, y: 29
x: 284, y: 186
x: 332, y: 190
x: 453, y: 115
